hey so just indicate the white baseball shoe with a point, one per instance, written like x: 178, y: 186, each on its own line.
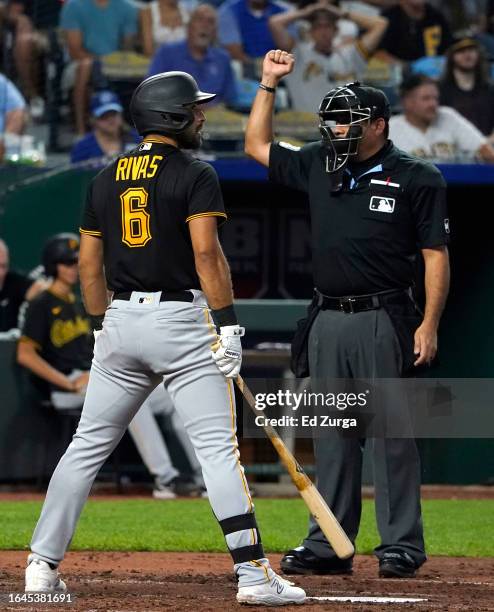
x: 161, y: 491
x: 40, y: 578
x: 276, y: 592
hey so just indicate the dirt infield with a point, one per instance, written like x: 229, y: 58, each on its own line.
x: 203, y: 583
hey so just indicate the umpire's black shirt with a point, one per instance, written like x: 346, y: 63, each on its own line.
x: 365, y: 238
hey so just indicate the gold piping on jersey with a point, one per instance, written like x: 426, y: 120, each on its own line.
x: 91, y: 232
x: 258, y: 564
x: 236, y: 452
x: 206, y: 214
x: 212, y: 331
x: 69, y: 299
x: 138, y: 167
x: 212, y: 328
x: 28, y: 340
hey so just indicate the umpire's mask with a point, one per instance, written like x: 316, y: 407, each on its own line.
x: 351, y: 106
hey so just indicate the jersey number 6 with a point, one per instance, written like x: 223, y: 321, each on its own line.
x: 135, y: 219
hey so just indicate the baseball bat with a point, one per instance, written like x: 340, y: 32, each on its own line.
x: 317, y: 506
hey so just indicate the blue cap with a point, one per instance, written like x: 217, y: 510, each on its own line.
x: 104, y: 101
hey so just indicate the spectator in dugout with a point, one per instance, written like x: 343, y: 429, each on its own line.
x: 31, y: 20
x: 164, y: 21
x: 15, y: 289
x: 320, y: 67
x: 109, y: 136
x: 95, y: 28
x: 197, y: 55
x: 56, y: 345
x: 435, y: 132
x: 13, y: 110
x: 244, y: 28
x: 466, y: 86
x: 415, y: 30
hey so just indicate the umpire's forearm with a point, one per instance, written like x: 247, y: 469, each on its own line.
x: 259, y: 132
x: 437, y: 276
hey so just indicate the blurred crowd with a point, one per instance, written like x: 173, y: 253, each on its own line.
x: 72, y: 65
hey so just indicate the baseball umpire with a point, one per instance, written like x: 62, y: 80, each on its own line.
x: 149, y: 234
x: 373, y: 208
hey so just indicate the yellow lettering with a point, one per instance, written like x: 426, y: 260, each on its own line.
x: 135, y: 219
x: 135, y: 167
x: 63, y: 332
x: 153, y: 166
x: 144, y: 167
x: 432, y: 40
x: 122, y: 164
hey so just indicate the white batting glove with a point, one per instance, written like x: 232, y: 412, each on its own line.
x: 227, y: 354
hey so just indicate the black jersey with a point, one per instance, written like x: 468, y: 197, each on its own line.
x: 140, y: 205
x: 59, y: 329
x: 365, y: 237
x: 12, y: 294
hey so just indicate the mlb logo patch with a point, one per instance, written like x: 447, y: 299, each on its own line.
x: 381, y: 204
x: 145, y: 146
x: 146, y: 300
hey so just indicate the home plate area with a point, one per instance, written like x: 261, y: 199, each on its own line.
x: 198, y: 582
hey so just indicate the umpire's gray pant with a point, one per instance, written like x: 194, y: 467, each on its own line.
x: 364, y: 345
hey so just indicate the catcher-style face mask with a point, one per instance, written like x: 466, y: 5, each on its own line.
x: 341, y: 106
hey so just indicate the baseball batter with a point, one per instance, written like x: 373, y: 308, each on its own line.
x: 149, y: 234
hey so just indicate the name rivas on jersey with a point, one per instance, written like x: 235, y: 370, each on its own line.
x: 135, y: 168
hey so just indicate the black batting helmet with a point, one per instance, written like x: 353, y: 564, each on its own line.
x: 350, y: 105
x: 162, y: 103
x: 61, y: 248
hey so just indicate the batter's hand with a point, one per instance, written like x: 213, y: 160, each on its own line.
x: 275, y: 66
x: 425, y: 344
x: 227, y: 353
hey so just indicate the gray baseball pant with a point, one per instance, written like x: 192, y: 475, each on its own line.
x: 364, y: 345
x: 143, y: 342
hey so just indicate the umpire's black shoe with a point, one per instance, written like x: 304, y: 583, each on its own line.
x: 303, y: 561
x: 397, y: 565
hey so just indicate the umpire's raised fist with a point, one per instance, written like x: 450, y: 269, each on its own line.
x: 276, y: 65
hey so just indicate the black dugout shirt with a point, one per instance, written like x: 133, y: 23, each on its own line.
x: 59, y: 329
x: 410, y: 39
x: 140, y: 206
x: 12, y: 295
x: 476, y: 105
x: 365, y: 238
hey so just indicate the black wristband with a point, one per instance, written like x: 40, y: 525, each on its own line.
x: 224, y: 316
x: 266, y: 88
x: 96, y: 321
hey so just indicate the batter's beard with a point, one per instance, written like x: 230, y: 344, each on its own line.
x: 190, y: 139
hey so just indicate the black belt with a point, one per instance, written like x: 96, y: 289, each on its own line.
x: 166, y: 296
x: 359, y: 303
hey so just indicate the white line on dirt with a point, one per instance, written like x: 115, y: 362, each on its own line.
x: 385, y: 600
